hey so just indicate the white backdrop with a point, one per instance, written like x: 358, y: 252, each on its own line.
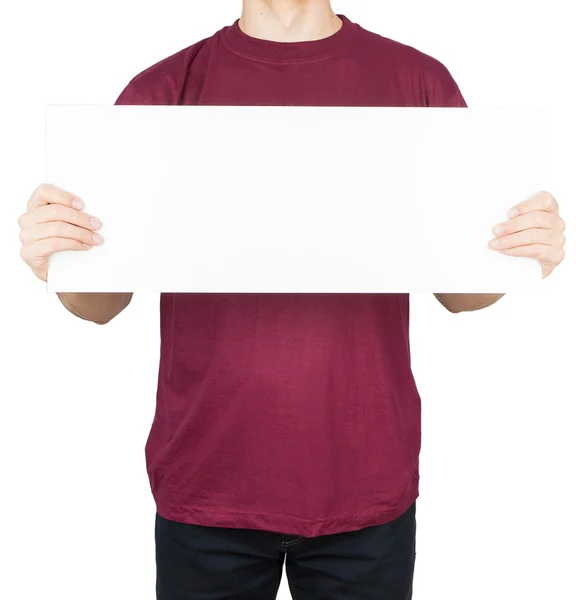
x: 496, y: 515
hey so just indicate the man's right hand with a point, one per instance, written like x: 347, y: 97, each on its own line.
x: 54, y: 222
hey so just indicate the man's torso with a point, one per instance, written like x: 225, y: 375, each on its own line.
x: 291, y: 413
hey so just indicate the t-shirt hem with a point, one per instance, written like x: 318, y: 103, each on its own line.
x: 174, y: 510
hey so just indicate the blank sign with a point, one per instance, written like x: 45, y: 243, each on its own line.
x: 294, y: 199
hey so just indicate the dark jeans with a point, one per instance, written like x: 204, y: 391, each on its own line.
x: 208, y: 563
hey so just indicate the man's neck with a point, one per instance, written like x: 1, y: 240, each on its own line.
x: 289, y: 20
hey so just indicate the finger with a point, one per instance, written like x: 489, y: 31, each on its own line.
x: 537, y: 219
x: 59, y: 229
x: 542, y: 253
x: 44, y: 248
x: 547, y: 237
x: 47, y: 193
x: 57, y: 212
x: 544, y: 201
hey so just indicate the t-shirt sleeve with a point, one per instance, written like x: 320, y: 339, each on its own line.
x: 162, y: 83
x: 441, y: 89
x: 132, y: 95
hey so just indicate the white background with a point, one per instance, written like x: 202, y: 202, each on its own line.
x: 496, y: 515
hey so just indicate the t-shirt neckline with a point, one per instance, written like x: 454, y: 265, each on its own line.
x: 278, y: 52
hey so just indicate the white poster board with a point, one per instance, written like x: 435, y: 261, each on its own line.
x: 294, y: 199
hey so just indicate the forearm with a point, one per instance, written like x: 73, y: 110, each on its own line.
x: 98, y: 308
x: 467, y: 302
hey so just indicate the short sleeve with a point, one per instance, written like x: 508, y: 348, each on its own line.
x: 441, y: 89
x: 131, y: 95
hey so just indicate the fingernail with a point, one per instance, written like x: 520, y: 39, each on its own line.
x: 95, y: 223
x: 87, y: 245
x: 495, y: 244
x: 77, y: 204
x: 98, y: 239
x: 513, y: 213
x: 498, y: 230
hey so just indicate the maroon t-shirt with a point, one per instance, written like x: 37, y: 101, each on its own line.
x: 293, y: 413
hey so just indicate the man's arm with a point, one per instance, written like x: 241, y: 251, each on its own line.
x: 98, y: 308
x: 102, y: 308
x: 456, y: 303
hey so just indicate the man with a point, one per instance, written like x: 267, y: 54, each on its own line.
x: 287, y: 426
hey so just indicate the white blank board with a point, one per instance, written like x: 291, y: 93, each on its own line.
x: 295, y: 199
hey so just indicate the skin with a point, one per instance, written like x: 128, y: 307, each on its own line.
x: 54, y: 220
x: 534, y: 229
x: 289, y: 20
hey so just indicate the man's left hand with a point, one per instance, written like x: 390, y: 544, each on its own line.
x: 534, y: 229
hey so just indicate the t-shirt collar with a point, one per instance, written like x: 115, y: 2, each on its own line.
x: 265, y: 50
